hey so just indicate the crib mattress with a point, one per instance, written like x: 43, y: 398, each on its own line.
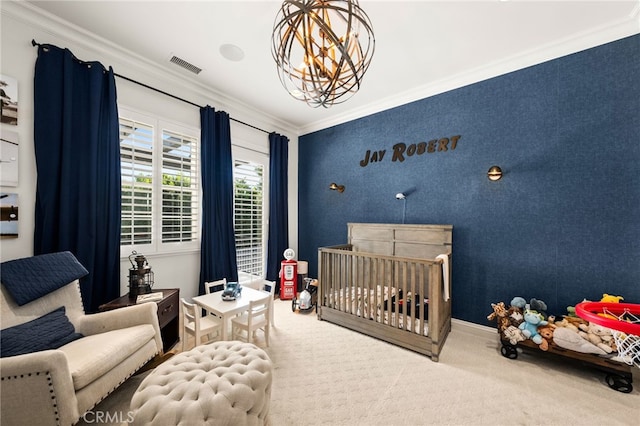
x: 370, y: 303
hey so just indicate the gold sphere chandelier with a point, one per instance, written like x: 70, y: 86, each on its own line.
x: 322, y: 49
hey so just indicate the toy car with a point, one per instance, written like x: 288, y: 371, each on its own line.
x: 232, y: 291
x: 308, y: 299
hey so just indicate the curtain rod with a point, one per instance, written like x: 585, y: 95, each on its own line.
x: 35, y: 43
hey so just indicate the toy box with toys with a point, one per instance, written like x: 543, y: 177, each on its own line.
x: 527, y: 326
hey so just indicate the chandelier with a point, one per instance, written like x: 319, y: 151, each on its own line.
x: 322, y: 49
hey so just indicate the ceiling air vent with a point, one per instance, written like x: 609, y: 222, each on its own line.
x: 184, y: 64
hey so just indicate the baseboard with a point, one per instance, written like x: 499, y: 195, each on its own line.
x: 467, y: 326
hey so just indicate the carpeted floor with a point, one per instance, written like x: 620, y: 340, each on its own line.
x: 328, y: 375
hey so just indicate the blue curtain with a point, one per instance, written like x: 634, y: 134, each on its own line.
x: 278, y: 204
x: 218, y: 243
x: 77, y: 150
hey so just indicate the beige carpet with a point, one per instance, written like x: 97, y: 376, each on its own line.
x: 328, y: 375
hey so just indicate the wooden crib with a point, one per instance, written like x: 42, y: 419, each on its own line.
x: 388, y: 283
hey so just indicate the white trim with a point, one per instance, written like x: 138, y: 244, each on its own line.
x: 586, y: 40
x: 461, y: 325
x: 57, y: 27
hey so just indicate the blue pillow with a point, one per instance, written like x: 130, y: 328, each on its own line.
x: 50, y: 331
x: 30, y: 278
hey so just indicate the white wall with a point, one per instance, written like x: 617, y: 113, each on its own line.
x: 20, y: 24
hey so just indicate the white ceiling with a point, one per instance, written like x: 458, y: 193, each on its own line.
x: 422, y: 47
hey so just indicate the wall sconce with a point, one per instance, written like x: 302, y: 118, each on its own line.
x: 494, y: 173
x: 335, y: 187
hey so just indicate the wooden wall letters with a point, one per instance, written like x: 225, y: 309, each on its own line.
x: 401, y: 150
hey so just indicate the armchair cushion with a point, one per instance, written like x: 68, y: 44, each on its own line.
x: 94, y: 356
x: 49, y: 331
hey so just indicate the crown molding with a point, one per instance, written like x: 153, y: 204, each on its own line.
x: 51, y: 24
x: 77, y: 36
x: 563, y: 47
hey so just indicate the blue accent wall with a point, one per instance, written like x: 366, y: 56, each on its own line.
x: 563, y: 224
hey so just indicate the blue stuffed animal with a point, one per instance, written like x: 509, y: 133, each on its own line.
x: 518, y: 302
x: 532, y: 320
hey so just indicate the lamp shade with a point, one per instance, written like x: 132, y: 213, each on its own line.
x: 303, y: 267
x: 494, y: 173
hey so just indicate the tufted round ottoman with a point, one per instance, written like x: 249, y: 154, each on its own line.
x: 222, y: 383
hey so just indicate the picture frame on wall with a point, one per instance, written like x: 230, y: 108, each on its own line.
x: 9, y: 150
x: 9, y: 104
x: 8, y: 215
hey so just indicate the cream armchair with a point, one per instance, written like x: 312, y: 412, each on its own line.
x: 58, y: 386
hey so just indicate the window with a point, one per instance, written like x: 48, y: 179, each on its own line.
x: 179, y: 191
x: 249, y: 218
x: 160, y: 192
x: 136, y: 168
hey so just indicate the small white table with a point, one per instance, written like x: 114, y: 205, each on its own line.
x: 226, y: 309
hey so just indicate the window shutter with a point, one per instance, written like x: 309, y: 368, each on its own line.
x: 136, y: 160
x: 248, y: 218
x: 180, y: 203
x: 160, y: 185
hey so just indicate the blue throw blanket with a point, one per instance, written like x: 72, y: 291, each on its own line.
x: 30, y: 278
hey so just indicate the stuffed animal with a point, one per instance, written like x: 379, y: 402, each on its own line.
x: 599, y: 336
x: 566, y: 323
x: 532, y: 320
x: 500, y: 314
x: 514, y: 313
x: 547, y: 336
x: 513, y: 334
x: 515, y: 316
x: 499, y: 310
x: 611, y: 299
x: 518, y: 302
x: 566, y: 338
x: 539, y: 306
x: 571, y: 310
x: 572, y: 318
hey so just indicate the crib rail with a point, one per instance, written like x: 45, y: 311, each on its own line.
x: 396, y: 299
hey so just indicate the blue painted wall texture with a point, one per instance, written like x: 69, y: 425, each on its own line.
x: 562, y: 225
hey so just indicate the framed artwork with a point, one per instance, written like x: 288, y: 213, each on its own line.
x: 9, y: 148
x: 9, y: 94
x: 8, y: 215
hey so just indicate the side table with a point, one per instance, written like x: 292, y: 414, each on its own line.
x: 168, y: 314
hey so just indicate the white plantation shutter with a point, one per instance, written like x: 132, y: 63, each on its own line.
x: 248, y: 218
x: 180, y: 203
x: 136, y: 162
x: 160, y: 185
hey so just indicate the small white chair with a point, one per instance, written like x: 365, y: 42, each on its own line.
x: 208, y: 287
x: 270, y: 287
x: 256, y: 285
x: 195, y: 324
x: 266, y: 286
x: 256, y: 318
